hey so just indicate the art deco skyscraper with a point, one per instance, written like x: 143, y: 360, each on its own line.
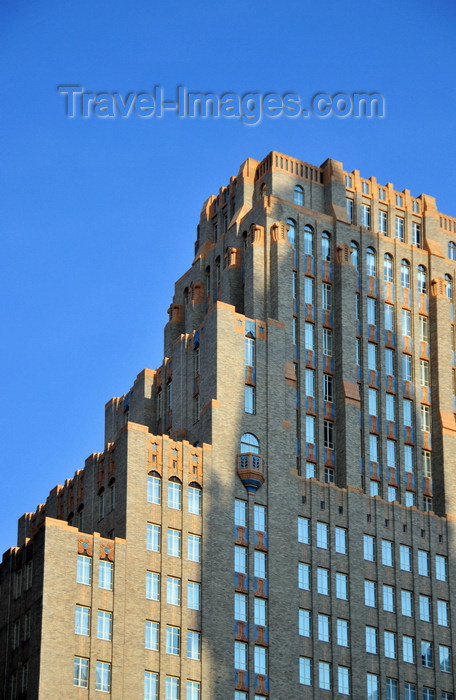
x: 273, y: 515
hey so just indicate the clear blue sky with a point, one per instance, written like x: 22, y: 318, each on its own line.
x: 98, y: 216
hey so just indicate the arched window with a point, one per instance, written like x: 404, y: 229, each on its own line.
x: 452, y: 250
x: 174, y: 493
x: 249, y: 443
x: 449, y: 287
x: 186, y: 295
x: 291, y: 231
x: 405, y: 274
x: 308, y: 240
x: 194, y: 498
x: 263, y: 190
x: 388, y: 268
x: 370, y: 262
x: 325, y: 246
x: 299, y: 195
x: 354, y: 254
x: 154, y: 488
x: 422, y: 285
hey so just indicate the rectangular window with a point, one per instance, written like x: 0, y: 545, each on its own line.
x: 194, y: 547
x: 426, y: 654
x: 328, y: 434
x: 249, y: 352
x: 387, y: 553
x: 172, y: 640
x: 194, y: 595
x: 323, y: 628
x: 441, y: 567
x: 152, y: 635
x: 82, y: 620
x: 371, y: 356
x: 389, y: 639
x: 369, y: 547
x: 308, y: 290
x: 174, y: 495
x: 84, y: 570
x: 81, y: 672
x: 373, y: 452
x: 389, y: 362
x: 371, y: 640
x: 372, y: 687
x: 260, y: 612
x: 304, y: 576
x: 194, y: 500
x: 310, y: 382
x: 174, y: 543
x: 442, y: 613
x: 405, y: 557
x: 390, y: 401
x: 326, y: 296
x: 322, y: 581
x: 409, y: 691
x: 370, y: 594
x: 425, y: 608
x: 423, y: 563
x: 104, y: 625
x: 173, y: 590
x: 305, y: 623
x: 391, y: 689
x: 365, y: 216
x: 240, y: 513
x: 240, y: 559
x: 154, y: 490
x: 260, y: 660
x: 193, y: 690
x: 408, y: 649
x: 382, y: 221
x: 240, y: 607
x: 249, y: 399
x: 103, y: 676
x: 407, y: 368
x: 424, y: 373
x: 310, y: 429
x: 406, y: 323
x: 444, y: 658
x: 389, y: 317
x: 373, y: 401
x: 259, y: 518
x: 400, y: 228
x: 388, y: 598
x: 322, y: 535
x: 303, y: 530
x: 349, y: 206
x: 343, y: 680
x: 423, y: 329
x: 407, y: 409
x: 105, y: 575
x: 193, y: 645
x: 416, y: 234
x: 153, y: 537
x: 425, y: 413
x: 259, y: 564
x: 341, y: 540
x: 328, y: 387
x: 327, y: 342
x: 407, y: 603
x: 324, y: 675
x: 309, y: 331
x: 152, y: 585
x: 172, y: 688
x: 240, y: 656
x: 342, y: 632
x: 305, y: 671
x: 371, y: 311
